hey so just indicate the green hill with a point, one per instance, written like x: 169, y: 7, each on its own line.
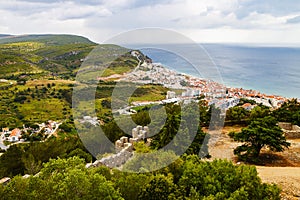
x: 40, y: 71
x: 48, y: 39
x: 50, y: 56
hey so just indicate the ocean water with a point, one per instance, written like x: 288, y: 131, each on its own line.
x: 270, y: 70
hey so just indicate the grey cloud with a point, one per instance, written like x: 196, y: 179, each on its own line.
x: 85, y: 14
x: 130, y: 3
x: 115, y: 16
x: 273, y: 7
x: 62, y: 10
x: 23, y: 8
x: 294, y: 20
x: 127, y: 4
x: 138, y: 3
x: 74, y: 16
x: 88, y: 2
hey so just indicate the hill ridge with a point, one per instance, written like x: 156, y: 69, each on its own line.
x: 54, y: 39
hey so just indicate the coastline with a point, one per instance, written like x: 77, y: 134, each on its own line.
x: 272, y: 71
x: 156, y: 73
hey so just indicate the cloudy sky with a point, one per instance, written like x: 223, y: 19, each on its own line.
x: 234, y: 21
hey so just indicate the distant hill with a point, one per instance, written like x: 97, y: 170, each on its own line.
x: 4, y: 35
x: 55, y: 56
x: 48, y: 39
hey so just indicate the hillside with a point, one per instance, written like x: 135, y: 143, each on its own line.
x: 46, y: 38
x: 48, y: 56
x: 37, y: 74
x: 4, y: 35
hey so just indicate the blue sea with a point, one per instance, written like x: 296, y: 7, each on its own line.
x: 270, y: 70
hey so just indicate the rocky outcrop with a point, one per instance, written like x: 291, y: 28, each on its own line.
x: 290, y: 131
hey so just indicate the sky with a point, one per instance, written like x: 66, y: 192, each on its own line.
x: 204, y: 21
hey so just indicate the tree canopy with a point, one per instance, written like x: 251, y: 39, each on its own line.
x: 288, y: 112
x: 262, y: 132
x: 61, y: 179
x: 189, y: 178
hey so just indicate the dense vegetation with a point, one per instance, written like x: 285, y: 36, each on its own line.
x: 28, y: 158
x: 35, y: 102
x: 187, y: 178
x: 289, y: 112
x: 183, y: 127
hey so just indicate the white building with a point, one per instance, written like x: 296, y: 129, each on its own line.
x: 190, y: 93
x: 15, y: 135
x: 171, y: 95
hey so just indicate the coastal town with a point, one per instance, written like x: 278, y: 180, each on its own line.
x: 192, y: 88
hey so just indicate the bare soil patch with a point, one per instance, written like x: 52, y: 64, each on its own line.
x: 287, y: 178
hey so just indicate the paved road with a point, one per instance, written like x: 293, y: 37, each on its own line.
x: 54, y: 131
x: 2, y: 146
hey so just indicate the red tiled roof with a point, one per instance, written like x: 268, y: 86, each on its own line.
x: 15, y: 132
x: 246, y: 105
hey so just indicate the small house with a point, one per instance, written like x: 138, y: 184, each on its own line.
x: 15, y: 135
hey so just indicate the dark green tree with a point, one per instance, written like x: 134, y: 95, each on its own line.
x: 244, y: 100
x: 141, y: 118
x: 170, y: 128
x: 237, y: 115
x: 11, y: 161
x: 259, y: 112
x: 61, y: 179
x: 288, y: 112
x: 205, y: 115
x: 262, y: 132
x: 130, y: 184
x: 160, y: 187
x: 221, y: 179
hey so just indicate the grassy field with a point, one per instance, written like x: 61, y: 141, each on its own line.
x: 149, y: 93
x: 42, y: 110
x: 116, y: 70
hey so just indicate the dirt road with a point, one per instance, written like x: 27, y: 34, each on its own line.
x: 288, y: 178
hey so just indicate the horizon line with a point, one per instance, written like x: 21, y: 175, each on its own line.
x: 239, y: 43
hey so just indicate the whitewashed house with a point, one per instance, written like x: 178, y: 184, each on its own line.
x: 15, y: 135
